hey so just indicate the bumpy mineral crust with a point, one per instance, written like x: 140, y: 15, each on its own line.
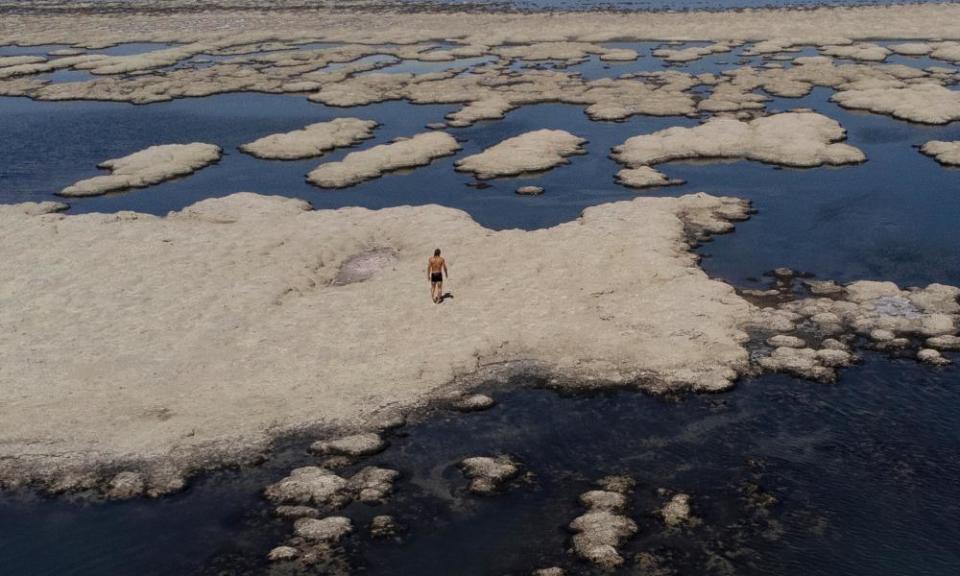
x: 356, y: 167
x: 793, y: 139
x: 645, y: 177
x: 926, y: 103
x: 147, y: 167
x: 161, y: 345
x: 168, y: 22
x: 530, y: 152
x: 946, y: 153
x: 313, y: 140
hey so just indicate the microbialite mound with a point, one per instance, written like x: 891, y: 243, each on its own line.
x: 192, y: 340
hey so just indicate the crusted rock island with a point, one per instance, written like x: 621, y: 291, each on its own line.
x: 163, y: 345
x: 531, y: 152
x: 314, y: 140
x: 356, y: 167
x: 147, y: 167
x: 946, y: 153
x: 802, y: 139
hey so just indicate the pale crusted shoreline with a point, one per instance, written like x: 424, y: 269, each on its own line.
x: 209, y: 332
x: 378, y: 26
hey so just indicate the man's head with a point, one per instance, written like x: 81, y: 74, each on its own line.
x: 436, y: 252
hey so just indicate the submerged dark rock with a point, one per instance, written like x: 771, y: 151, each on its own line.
x: 530, y: 191
x: 383, y: 526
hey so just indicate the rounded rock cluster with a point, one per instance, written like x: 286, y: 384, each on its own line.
x: 487, y: 474
x: 599, y: 532
x: 879, y: 313
x: 474, y: 403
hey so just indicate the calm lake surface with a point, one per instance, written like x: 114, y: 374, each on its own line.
x: 865, y: 473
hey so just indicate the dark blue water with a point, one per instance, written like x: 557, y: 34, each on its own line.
x: 865, y: 475
x: 893, y: 217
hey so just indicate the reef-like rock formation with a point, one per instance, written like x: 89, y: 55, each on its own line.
x: 363, y: 444
x: 372, y: 484
x: 529, y: 191
x: 865, y: 51
x: 602, y: 529
x: 693, y: 52
x: 473, y: 403
x: 530, y: 152
x: 645, y: 177
x: 313, y: 140
x: 676, y: 511
x: 926, y: 103
x: 813, y: 336
x: 802, y: 139
x: 329, y: 529
x: 383, y: 526
x: 147, y: 167
x: 356, y: 167
x: 240, y: 290
x: 487, y: 474
x: 946, y: 153
x: 310, y: 485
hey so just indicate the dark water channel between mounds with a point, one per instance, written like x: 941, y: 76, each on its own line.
x: 788, y: 477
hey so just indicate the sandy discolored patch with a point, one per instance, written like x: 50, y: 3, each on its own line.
x: 313, y: 140
x: 364, y: 266
x: 146, y: 167
x: 356, y: 167
x: 529, y: 152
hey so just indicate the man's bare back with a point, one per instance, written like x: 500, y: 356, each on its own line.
x: 436, y: 270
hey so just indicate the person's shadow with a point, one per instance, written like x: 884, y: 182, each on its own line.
x: 445, y: 296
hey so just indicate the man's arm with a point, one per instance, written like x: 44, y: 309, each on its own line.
x: 428, y: 270
x: 447, y: 274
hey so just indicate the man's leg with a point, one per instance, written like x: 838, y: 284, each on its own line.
x: 439, y: 292
x: 433, y: 292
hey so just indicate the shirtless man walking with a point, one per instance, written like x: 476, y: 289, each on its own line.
x: 436, y: 268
